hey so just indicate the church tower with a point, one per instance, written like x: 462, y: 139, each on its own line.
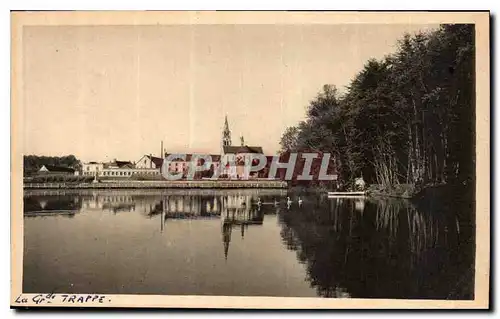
x: 226, y: 134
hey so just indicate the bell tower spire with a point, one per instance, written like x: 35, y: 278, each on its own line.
x: 226, y: 134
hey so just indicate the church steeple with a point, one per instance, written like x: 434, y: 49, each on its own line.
x: 226, y: 237
x: 226, y: 134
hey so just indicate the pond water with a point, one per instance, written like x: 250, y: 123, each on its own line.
x: 223, y: 243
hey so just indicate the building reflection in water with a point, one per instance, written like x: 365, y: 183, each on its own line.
x: 242, y: 212
x: 235, y: 210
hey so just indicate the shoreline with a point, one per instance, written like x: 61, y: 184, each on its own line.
x: 263, y: 184
x: 388, y: 195
x: 411, y: 192
x: 158, y: 191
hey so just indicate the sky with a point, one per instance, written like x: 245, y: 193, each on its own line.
x: 115, y: 92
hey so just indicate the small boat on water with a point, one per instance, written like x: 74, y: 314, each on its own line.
x: 347, y: 194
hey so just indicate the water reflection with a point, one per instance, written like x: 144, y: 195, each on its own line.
x: 237, y: 209
x: 349, y: 247
x: 65, y: 205
x: 381, y: 249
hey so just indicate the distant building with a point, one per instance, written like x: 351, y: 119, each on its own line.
x: 152, y: 165
x: 92, y: 168
x: 149, y: 161
x: 240, y: 156
x: 47, y: 169
x: 120, y: 164
x: 179, y: 165
x: 116, y: 169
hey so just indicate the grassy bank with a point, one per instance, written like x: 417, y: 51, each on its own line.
x: 416, y: 193
x: 58, y: 178
x: 399, y: 191
x: 308, y: 189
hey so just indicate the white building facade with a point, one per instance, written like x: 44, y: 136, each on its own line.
x: 117, y: 169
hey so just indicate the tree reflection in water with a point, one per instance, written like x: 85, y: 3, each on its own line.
x: 362, y: 248
x: 381, y: 248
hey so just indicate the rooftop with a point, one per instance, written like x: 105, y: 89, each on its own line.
x: 242, y: 149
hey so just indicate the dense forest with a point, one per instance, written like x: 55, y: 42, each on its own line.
x: 408, y: 118
x: 32, y: 163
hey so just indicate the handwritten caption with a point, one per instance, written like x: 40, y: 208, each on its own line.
x: 51, y: 298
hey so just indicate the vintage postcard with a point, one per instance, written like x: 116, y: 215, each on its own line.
x: 251, y: 160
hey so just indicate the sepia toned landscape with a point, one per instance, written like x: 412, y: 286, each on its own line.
x: 316, y: 162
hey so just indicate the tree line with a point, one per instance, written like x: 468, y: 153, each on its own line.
x: 408, y: 118
x: 32, y: 163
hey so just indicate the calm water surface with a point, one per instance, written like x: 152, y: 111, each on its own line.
x: 222, y: 243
